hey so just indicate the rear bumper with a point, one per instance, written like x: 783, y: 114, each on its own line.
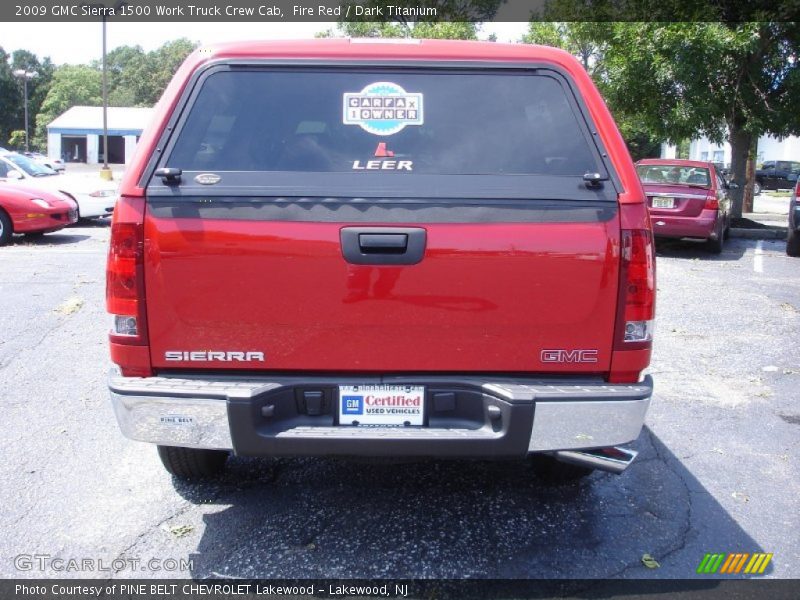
x: 465, y: 416
x: 91, y: 207
x: 701, y: 226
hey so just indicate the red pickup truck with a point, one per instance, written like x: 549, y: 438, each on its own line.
x: 347, y: 247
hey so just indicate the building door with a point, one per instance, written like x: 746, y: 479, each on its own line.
x: 73, y: 148
x: 116, y: 149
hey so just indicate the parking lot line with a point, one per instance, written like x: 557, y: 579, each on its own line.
x: 758, y: 259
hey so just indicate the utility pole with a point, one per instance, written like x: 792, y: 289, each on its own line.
x: 104, y: 9
x: 25, y: 75
x: 105, y: 172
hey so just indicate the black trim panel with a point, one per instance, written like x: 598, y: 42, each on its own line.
x: 388, y: 185
x: 381, y: 210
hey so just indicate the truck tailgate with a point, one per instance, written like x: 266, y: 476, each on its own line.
x: 484, y: 297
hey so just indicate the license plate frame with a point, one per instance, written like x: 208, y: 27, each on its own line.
x: 379, y: 405
x: 663, y: 202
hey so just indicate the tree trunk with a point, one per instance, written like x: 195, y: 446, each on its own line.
x: 750, y: 174
x: 741, y: 143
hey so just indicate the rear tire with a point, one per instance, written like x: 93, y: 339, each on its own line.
x: 714, y: 246
x: 793, y: 243
x: 6, y: 228
x: 551, y: 470
x: 192, y: 463
x: 757, y: 189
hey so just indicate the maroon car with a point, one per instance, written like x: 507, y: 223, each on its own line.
x: 687, y: 199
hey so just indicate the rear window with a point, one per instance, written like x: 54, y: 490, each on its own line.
x: 427, y: 122
x: 674, y: 175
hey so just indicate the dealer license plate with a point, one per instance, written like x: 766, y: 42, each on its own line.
x: 392, y: 405
x: 663, y: 202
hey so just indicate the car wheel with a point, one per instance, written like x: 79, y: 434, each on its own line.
x: 714, y: 246
x: 192, y: 463
x: 6, y: 228
x: 550, y: 470
x: 793, y: 243
x: 756, y: 188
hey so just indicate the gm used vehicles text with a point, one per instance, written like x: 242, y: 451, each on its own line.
x: 344, y: 247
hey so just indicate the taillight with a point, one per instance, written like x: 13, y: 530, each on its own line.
x: 637, y: 290
x: 125, y: 273
x: 712, y: 202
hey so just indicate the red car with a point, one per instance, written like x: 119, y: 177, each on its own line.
x: 344, y: 247
x: 33, y: 212
x: 687, y: 199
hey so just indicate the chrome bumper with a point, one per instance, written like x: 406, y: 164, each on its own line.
x: 562, y: 416
x: 170, y: 411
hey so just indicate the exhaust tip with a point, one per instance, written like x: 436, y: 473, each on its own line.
x: 613, y: 459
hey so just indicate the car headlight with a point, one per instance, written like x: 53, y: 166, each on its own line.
x: 102, y: 193
x: 40, y: 202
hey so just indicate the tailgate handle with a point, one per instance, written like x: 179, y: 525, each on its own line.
x: 383, y: 245
x: 387, y: 243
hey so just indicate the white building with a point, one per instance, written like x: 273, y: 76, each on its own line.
x: 77, y: 135
x: 769, y: 148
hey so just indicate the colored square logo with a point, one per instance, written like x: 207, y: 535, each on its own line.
x: 352, y: 405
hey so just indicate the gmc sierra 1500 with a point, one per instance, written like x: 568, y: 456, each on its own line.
x: 344, y: 247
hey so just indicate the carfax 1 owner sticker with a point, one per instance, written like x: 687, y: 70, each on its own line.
x: 382, y: 108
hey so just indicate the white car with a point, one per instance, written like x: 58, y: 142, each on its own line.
x: 54, y: 163
x: 94, y: 198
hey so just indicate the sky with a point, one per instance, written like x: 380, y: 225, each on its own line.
x: 77, y: 43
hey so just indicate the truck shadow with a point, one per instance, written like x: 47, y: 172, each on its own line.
x: 336, y: 518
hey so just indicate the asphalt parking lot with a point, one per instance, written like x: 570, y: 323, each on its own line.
x: 718, y: 469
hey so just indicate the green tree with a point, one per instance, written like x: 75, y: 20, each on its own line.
x: 10, y: 98
x: 159, y: 68
x: 12, y: 117
x: 17, y: 139
x: 37, y: 86
x: 456, y: 30
x: 582, y: 40
x: 674, y: 81
x: 136, y: 78
x: 73, y: 85
x: 419, y: 30
x: 127, y: 80
x: 734, y: 81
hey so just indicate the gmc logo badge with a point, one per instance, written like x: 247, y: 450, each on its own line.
x: 568, y: 356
